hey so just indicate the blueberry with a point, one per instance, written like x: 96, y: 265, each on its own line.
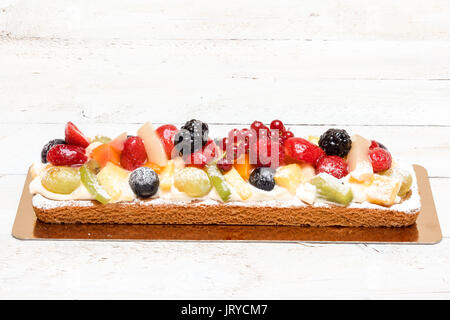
x: 144, y: 182
x: 263, y: 178
x: 48, y: 146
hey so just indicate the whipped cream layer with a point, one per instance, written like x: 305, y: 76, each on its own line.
x: 278, y: 197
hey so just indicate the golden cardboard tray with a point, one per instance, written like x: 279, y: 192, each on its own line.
x: 426, y: 230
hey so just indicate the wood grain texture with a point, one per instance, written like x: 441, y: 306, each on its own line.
x: 306, y: 19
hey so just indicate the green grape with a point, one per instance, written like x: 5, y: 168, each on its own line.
x: 90, y: 181
x: 331, y: 189
x: 102, y: 139
x: 62, y: 180
x: 218, y: 182
x: 193, y: 181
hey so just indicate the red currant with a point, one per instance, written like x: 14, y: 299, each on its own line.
x: 234, y: 135
x: 224, y: 143
x: 277, y: 125
x: 224, y: 164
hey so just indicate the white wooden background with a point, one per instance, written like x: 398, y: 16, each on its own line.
x: 380, y: 68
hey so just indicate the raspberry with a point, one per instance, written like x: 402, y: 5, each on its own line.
x: 133, y: 154
x: 301, y: 150
x: 381, y: 159
x: 376, y: 144
x: 66, y: 155
x: 201, y: 158
x: 75, y: 137
x: 334, y: 165
x: 261, y: 153
x: 335, y: 142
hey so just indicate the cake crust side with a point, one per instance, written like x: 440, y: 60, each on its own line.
x: 206, y: 214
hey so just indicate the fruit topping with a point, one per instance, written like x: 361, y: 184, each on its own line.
x: 201, y: 158
x: 259, y: 128
x: 332, y: 189
x: 277, y: 125
x: 376, y: 144
x: 263, y: 178
x: 218, y: 181
x: 153, y: 146
x: 166, y: 176
x: 75, y: 137
x: 119, y: 142
x: 301, y: 150
x: 403, y: 175
x: 308, y: 172
x: 192, y: 181
x: 154, y: 166
x: 381, y: 159
x: 89, y: 180
x: 167, y: 134
x: 359, y: 163
x: 133, y: 154
x: 383, y: 190
x: 307, y: 193
x: 224, y: 164
x: 66, y: 155
x: 335, y: 142
x: 191, y: 137
x: 62, y: 180
x: 289, y: 177
x: 48, y: 146
x: 105, y: 153
x: 314, y: 140
x: 94, y: 166
x: 334, y: 165
x: 114, y: 180
x: 144, y: 182
x: 242, y: 188
x: 266, y: 153
x: 244, y: 167
x: 101, y: 139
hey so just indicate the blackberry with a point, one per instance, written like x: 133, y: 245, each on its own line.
x: 48, y: 146
x: 263, y: 178
x: 335, y: 142
x: 144, y: 182
x: 191, y: 137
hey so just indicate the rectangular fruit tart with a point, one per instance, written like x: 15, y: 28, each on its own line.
x: 261, y: 175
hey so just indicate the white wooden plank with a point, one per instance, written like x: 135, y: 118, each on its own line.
x: 426, y: 146
x: 74, y: 270
x: 307, y: 19
x: 44, y: 81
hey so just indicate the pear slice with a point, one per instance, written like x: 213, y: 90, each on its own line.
x: 153, y: 146
x: 359, y: 164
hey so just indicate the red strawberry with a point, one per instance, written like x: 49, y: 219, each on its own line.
x: 67, y: 155
x: 301, y: 150
x: 334, y: 165
x: 166, y: 134
x: 381, y: 159
x: 133, y: 154
x: 266, y: 153
x: 75, y: 137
